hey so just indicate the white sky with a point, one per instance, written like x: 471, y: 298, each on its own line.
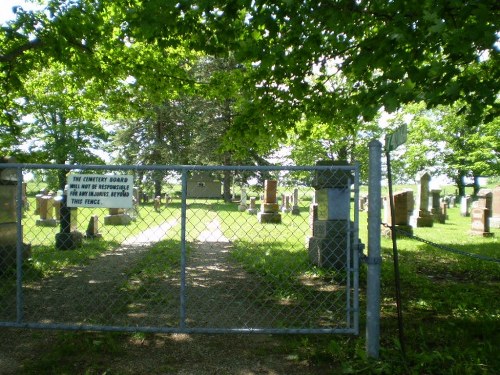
x: 6, y: 8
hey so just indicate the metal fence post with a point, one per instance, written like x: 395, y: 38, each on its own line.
x: 182, y: 324
x: 19, y: 247
x: 374, y: 260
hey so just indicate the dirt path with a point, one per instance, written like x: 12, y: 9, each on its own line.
x: 219, y: 295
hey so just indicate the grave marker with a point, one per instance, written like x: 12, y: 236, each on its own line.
x: 495, y: 208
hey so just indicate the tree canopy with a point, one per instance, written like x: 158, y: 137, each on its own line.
x: 339, y: 61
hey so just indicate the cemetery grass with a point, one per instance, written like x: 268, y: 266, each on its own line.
x: 450, y: 309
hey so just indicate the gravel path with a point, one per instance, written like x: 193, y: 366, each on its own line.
x: 219, y: 295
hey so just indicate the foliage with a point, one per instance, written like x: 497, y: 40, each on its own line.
x: 444, y: 142
x: 450, y: 322
x: 312, y: 141
x: 337, y: 61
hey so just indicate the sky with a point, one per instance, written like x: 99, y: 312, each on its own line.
x: 6, y: 8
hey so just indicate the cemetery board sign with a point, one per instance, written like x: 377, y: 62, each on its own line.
x: 108, y: 191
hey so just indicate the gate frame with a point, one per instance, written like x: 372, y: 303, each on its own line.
x: 373, y: 259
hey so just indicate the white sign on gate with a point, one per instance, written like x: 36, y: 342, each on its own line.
x: 97, y: 190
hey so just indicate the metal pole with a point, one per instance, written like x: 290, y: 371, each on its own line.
x: 183, y: 251
x: 397, y: 280
x: 19, y: 247
x: 374, y: 260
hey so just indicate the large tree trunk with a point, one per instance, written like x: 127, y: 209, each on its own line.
x: 459, y: 181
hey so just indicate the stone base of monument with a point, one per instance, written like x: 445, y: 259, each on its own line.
x: 295, y: 210
x: 328, y: 246
x: 120, y: 219
x: 252, y: 211
x: 438, y: 216
x: 423, y: 220
x: 269, y: 217
x: 46, y: 223
x: 328, y: 253
x: 271, y: 208
x: 479, y: 233
x: 69, y: 241
x: 407, y: 229
x: 495, y: 222
x: 242, y: 207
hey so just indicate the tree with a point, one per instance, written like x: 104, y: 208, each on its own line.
x: 446, y: 143
x: 387, y: 53
x: 62, y: 122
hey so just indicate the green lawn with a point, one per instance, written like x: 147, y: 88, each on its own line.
x: 451, y: 305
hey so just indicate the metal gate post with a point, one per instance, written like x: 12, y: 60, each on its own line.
x: 19, y: 247
x: 374, y: 259
x: 182, y: 323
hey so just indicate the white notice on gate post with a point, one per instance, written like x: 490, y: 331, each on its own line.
x: 97, y: 190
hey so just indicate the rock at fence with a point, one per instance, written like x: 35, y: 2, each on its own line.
x: 8, y: 218
x: 93, y: 228
x: 403, y: 208
x: 495, y: 208
x: 242, y: 207
x: 328, y: 246
x: 421, y: 216
x: 465, y: 203
x: 269, y: 209
x: 117, y: 216
x: 480, y: 221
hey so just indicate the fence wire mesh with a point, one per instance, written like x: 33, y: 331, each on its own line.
x: 208, y: 249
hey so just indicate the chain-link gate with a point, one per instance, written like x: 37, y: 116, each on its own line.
x: 201, y: 249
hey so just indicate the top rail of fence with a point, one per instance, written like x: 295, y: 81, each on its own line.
x: 179, y: 167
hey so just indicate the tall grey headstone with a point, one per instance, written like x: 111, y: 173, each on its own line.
x: 422, y: 216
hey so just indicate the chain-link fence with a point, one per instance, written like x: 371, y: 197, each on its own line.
x: 198, y: 249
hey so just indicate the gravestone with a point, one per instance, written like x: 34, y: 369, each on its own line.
x: 328, y: 246
x: 480, y: 222
x: 157, y: 204
x: 465, y: 203
x: 361, y: 203
x: 243, y: 201
x: 117, y: 216
x: 269, y: 209
x: 295, y: 207
x: 252, y: 209
x: 421, y: 216
x: 444, y: 210
x: 485, y: 199
x: 403, y: 208
x: 38, y: 199
x: 93, y: 228
x: 495, y: 208
x: 8, y: 218
x: 47, y: 214
x: 286, y: 207
x: 436, y: 210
